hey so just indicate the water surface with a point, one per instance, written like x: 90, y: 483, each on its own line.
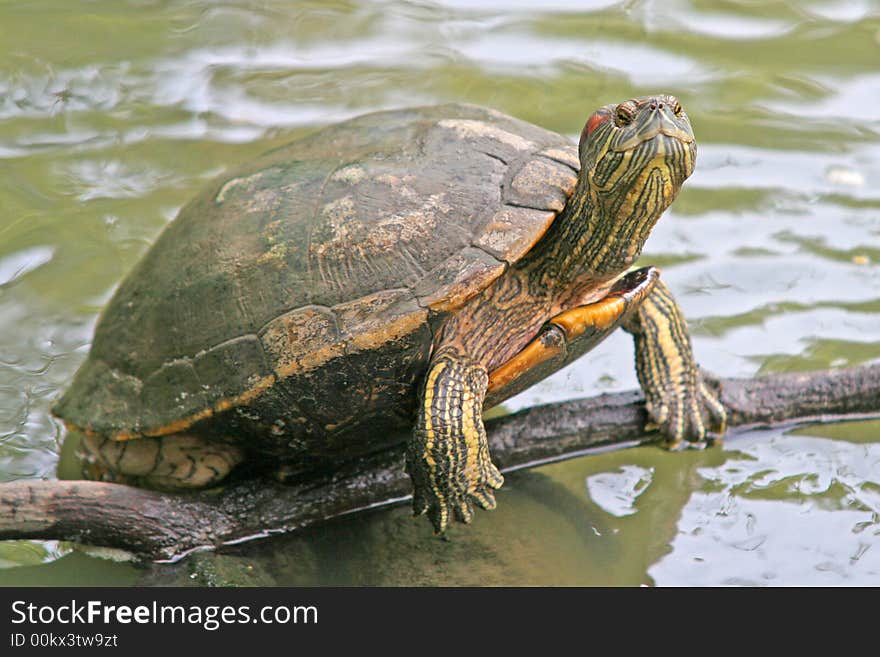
x: 113, y: 114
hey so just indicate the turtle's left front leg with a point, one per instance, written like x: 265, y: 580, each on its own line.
x: 676, y: 396
x: 448, y: 454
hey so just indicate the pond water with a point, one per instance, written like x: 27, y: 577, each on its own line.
x: 113, y: 114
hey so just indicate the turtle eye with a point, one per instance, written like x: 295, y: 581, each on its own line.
x: 624, y: 115
x: 677, y: 110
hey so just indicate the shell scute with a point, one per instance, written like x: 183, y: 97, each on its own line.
x: 227, y: 369
x: 540, y: 184
x: 176, y: 386
x: 331, y: 253
x: 301, y: 339
x: 457, y: 279
x: 513, y: 231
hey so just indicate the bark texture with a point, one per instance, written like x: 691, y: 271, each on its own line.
x: 164, y: 526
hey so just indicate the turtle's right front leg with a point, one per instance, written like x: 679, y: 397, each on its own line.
x: 448, y: 454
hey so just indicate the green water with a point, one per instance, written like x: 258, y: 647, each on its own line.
x: 112, y: 114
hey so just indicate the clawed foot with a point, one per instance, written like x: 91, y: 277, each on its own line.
x: 448, y: 485
x: 689, y: 414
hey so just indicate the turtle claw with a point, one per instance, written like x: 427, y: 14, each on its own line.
x: 420, y: 504
x: 464, y: 511
x: 485, y: 499
x: 491, y: 478
x: 440, y: 510
x: 689, y: 415
x: 443, y: 496
x: 460, y: 509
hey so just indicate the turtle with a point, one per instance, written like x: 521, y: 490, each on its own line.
x: 382, y: 281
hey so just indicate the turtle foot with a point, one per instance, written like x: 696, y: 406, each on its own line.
x: 444, y: 494
x: 689, y: 415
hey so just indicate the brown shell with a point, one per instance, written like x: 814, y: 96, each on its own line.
x: 338, y: 247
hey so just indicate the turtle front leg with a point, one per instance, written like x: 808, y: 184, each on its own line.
x: 676, y: 396
x: 448, y: 454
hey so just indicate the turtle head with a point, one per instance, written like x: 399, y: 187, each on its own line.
x: 634, y: 158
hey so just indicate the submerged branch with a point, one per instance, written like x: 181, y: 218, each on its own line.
x: 166, y: 526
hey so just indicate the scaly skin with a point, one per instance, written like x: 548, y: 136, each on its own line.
x: 676, y: 397
x: 448, y: 457
x: 634, y: 158
x: 178, y: 461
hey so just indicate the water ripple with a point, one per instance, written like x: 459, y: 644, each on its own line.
x: 15, y: 265
x: 781, y: 510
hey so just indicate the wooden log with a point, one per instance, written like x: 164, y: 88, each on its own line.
x: 166, y: 526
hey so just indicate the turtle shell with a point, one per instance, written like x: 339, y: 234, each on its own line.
x: 324, y: 266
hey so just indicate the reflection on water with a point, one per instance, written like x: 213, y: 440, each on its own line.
x: 770, y: 508
x: 616, y: 492
x: 781, y: 510
x: 111, y: 119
